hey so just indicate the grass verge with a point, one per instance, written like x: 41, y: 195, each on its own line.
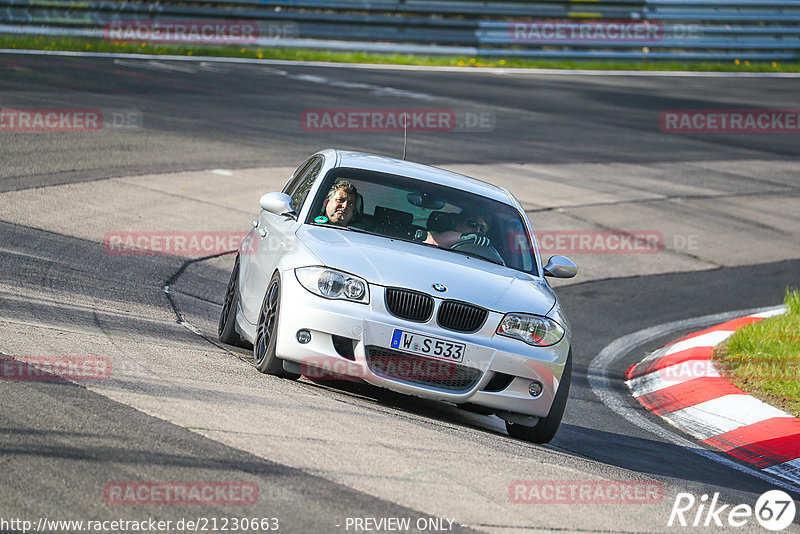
x: 763, y: 358
x: 34, y: 42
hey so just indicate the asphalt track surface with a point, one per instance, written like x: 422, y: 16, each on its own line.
x: 233, y: 116
x: 61, y: 442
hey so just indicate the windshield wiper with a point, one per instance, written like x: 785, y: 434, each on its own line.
x: 360, y: 230
x: 348, y: 228
x: 473, y: 255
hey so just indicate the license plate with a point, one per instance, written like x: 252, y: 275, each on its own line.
x: 427, y: 346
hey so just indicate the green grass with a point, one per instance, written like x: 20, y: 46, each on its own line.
x: 763, y: 358
x: 33, y: 42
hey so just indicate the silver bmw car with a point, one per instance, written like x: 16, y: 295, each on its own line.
x: 408, y: 277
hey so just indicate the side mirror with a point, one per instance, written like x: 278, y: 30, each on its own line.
x: 278, y: 203
x: 560, y: 267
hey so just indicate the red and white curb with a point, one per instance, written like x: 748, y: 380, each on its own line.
x: 679, y: 383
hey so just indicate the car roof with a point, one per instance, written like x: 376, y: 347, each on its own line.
x: 386, y: 164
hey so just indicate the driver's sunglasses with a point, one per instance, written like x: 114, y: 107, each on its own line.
x: 482, y: 228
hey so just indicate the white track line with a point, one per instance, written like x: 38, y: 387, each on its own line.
x: 723, y: 414
x: 770, y: 313
x: 431, y: 68
x: 709, y: 339
x: 601, y: 384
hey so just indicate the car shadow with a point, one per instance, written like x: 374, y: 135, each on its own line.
x: 655, y: 457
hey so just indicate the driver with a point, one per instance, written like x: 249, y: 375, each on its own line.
x: 471, y: 228
x: 340, y: 203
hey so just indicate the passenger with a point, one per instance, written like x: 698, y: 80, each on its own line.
x: 470, y: 228
x: 340, y: 203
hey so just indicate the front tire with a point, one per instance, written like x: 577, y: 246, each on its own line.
x: 267, y: 333
x: 545, y: 430
x: 227, y: 319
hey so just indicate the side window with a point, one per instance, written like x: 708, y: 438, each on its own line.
x: 299, y: 186
x: 297, y: 176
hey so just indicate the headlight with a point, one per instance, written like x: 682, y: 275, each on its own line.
x: 532, y: 329
x: 333, y: 284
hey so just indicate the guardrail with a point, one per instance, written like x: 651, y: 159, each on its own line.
x: 606, y: 29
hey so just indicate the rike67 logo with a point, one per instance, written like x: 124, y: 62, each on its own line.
x: 774, y: 510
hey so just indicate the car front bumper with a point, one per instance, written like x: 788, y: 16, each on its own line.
x: 369, y: 329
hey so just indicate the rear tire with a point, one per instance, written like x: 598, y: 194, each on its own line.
x: 545, y: 430
x: 227, y: 319
x: 267, y: 333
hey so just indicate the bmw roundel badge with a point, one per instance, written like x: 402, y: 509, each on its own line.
x: 440, y: 288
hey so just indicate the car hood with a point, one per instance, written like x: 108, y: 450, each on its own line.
x: 396, y: 263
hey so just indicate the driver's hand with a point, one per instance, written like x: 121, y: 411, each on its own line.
x: 479, y: 239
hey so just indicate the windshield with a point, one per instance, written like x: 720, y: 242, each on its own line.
x: 425, y: 213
